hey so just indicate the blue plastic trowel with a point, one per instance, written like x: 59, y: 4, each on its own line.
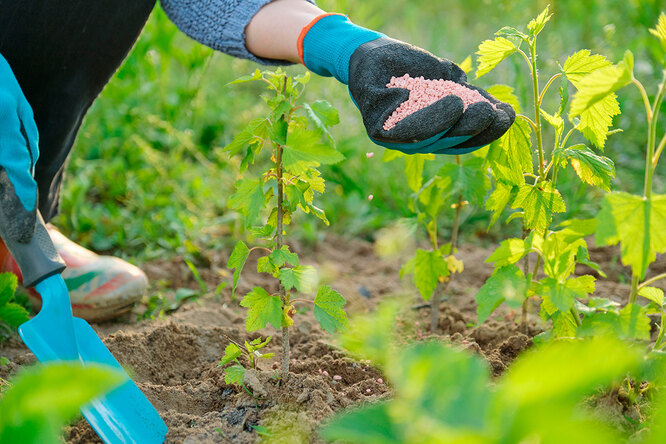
x: 124, y: 415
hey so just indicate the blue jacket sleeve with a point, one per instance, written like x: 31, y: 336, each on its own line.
x: 219, y: 24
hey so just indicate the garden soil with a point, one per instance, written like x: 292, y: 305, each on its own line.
x: 174, y: 360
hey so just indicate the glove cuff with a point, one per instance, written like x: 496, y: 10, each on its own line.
x: 327, y: 43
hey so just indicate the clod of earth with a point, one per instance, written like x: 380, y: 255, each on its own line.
x: 424, y: 92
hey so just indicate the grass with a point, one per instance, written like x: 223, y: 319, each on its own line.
x: 147, y: 178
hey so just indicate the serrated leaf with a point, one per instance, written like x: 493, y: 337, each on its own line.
x: 504, y: 93
x: 263, y: 309
x: 328, y: 309
x: 596, y: 121
x: 637, y: 224
x: 492, y: 52
x: 555, y: 121
x: 591, y: 168
x: 304, y: 149
x: 237, y: 262
x: 256, y: 130
x: 581, y: 63
x: 499, y: 199
x: 536, y: 25
x: 8, y: 283
x: 538, y: 204
x: 264, y: 265
x: 511, y: 156
x: 597, y: 85
x: 302, y: 278
x: 509, y: 252
x: 234, y: 374
x: 248, y: 199
x: 231, y: 352
x: 467, y: 179
x: 563, y: 295
x: 13, y: 314
x: 323, y: 115
x: 428, y: 267
x: 282, y: 256
x: 659, y: 30
x: 508, y: 31
x: 506, y: 284
x: 256, y: 75
x: 635, y: 322
x: 653, y: 294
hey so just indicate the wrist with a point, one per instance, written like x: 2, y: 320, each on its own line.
x: 327, y: 43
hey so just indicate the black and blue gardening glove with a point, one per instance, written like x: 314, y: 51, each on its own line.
x: 18, y: 154
x: 366, y: 61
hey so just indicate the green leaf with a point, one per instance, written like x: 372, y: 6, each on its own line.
x: 248, y: 199
x: 370, y: 424
x: 511, y: 156
x: 582, y: 63
x: 659, y: 30
x: 597, y: 119
x: 237, y: 262
x: 509, y: 252
x: 282, y: 256
x: 564, y: 370
x: 563, y: 295
x: 506, y: 284
x: 499, y: 199
x: 591, y: 168
x: 256, y: 75
x: 263, y: 309
x: 555, y: 121
x: 653, y: 294
x: 8, y: 283
x: 429, y: 266
x: 637, y: 224
x: 635, y: 322
x: 414, y: 170
x: 254, y: 132
x: 597, y: 85
x: 536, y: 25
x: 42, y: 399
x: 234, y: 374
x: 467, y: 179
x: 13, y: 314
x: 323, y: 115
x: 504, y: 93
x: 508, y: 31
x: 492, y: 52
x: 301, y: 277
x: 304, y: 149
x: 231, y: 352
x: 538, y: 203
x: 328, y: 309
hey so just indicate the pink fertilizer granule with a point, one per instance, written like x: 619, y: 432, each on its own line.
x: 424, y: 92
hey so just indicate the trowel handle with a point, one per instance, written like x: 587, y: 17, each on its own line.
x: 37, y: 258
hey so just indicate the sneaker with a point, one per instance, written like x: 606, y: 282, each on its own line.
x: 100, y: 287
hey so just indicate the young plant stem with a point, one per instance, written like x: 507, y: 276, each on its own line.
x: 526, y: 272
x: 649, y: 156
x: 537, y: 106
x: 660, y: 336
x: 283, y: 292
x: 652, y: 279
x: 437, y: 296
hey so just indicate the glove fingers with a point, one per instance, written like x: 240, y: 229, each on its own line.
x: 474, y: 120
x: 424, y: 123
x: 497, y: 128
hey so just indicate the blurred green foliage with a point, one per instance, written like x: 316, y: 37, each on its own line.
x: 147, y: 177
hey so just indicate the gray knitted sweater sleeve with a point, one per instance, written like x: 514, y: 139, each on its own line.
x: 219, y: 24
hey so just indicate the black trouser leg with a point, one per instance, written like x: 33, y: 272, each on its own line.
x: 63, y: 52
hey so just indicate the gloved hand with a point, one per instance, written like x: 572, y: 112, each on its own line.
x: 18, y: 154
x: 366, y: 60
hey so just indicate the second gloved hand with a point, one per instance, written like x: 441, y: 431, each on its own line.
x: 366, y: 61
